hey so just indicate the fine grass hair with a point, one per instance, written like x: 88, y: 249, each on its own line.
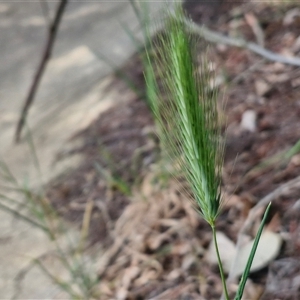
x: 187, y: 115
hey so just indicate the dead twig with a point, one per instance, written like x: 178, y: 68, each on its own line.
x: 284, y: 189
x: 256, y: 28
x: 85, y: 224
x: 53, y: 28
x: 216, y: 37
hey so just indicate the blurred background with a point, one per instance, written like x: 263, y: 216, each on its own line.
x: 87, y: 211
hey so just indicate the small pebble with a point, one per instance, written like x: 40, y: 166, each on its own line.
x: 249, y: 120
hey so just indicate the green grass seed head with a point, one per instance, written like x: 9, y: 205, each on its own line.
x: 187, y: 114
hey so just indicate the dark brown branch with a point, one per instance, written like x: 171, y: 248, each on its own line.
x: 53, y: 28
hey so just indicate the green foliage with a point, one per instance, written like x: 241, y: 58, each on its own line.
x: 245, y: 275
x: 187, y: 114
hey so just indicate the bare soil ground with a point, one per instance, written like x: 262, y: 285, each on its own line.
x: 156, y: 243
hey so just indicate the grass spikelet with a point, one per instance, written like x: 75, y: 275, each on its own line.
x: 185, y: 109
x: 187, y: 114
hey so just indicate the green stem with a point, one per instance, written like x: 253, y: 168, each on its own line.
x: 220, y: 263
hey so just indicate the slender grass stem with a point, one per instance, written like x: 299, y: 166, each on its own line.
x: 23, y: 217
x: 187, y: 117
x: 220, y: 263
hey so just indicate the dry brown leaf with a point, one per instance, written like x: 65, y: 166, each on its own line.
x: 274, y: 224
x: 256, y: 28
x: 121, y: 293
x: 277, y: 78
x: 232, y: 201
x: 189, y: 261
x: 175, y: 274
x: 295, y: 82
x: 168, y: 219
x: 177, y: 292
x: 252, y: 291
x: 181, y: 248
x: 155, y: 241
x: 147, y: 275
x: 129, y: 275
x: 106, y: 288
x: 283, y: 280
x: 262, y: 87
x: 290, y: 16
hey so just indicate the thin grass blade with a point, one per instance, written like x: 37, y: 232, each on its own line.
x: 245, y: 275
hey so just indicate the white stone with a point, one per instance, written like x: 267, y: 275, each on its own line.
x: 248, y: 121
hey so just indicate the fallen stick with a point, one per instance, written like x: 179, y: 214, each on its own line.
x: 216, y: 37
x: 53, y: 28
